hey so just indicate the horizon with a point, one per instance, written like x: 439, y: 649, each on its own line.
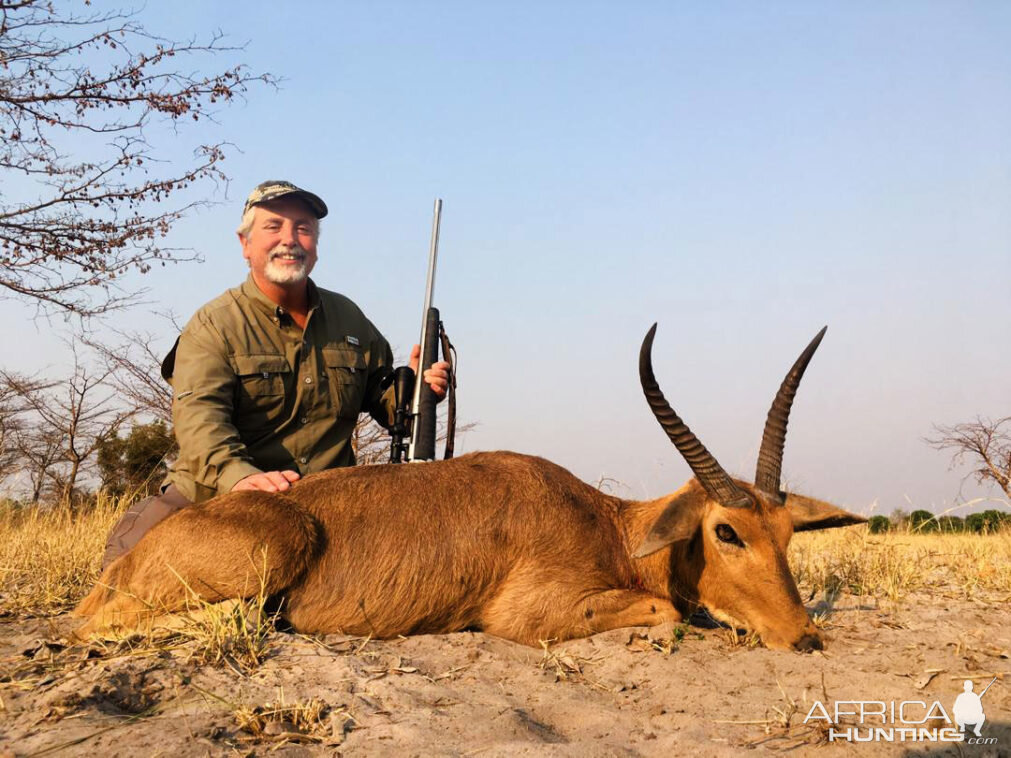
x: 740, y: 175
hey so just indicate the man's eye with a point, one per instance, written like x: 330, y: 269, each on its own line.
x: 726, y: 533
x: 305, y: 230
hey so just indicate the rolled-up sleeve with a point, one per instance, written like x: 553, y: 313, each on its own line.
x: 204, y: 384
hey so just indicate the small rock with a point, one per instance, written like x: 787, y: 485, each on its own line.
x: 340, y: 725
x: 278, y: 727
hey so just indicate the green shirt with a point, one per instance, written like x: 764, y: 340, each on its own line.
x: 254, y: 392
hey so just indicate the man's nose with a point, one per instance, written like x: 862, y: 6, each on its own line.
x: 288, y: 236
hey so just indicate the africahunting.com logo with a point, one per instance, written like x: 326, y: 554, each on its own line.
x: 906, y: 720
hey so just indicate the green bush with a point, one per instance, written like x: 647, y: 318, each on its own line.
x: 135, y: 464
x: 951, y: 524
x: 987, y: 522
x: 922, y: 521
x: 879, y: 524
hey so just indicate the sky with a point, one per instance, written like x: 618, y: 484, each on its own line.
x: 741, y: 173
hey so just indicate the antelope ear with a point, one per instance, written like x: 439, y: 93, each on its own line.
x: 808, y: 514
x: 679, y: 521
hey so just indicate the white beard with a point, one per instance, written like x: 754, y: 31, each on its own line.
x: 286, y: 273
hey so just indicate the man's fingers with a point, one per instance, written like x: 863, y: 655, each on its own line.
x: 279, y: 480
x: 270, y: 481
x: 437, y: 377
x: 414, y: 359
x: 252, y: 482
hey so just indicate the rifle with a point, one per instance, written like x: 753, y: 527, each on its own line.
x: 419, y: 416
x: 986, y: 688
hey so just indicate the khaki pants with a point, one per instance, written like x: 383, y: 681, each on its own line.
x: 136, y: 522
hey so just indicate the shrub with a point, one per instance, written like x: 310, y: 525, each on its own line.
x: 135, y: 464
x: 951, y: 524
x: 987, y: 522
x: 922, y: 521
x: 879, y: 524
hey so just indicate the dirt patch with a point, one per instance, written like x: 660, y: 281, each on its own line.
x: 629, y: 692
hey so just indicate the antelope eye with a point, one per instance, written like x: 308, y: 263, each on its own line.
x: 726, y: 533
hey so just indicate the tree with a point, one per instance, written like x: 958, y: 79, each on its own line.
x: 74, y: 85
x: 951, y: 524
x: 133, y: 366
x: 987, y: 522
x: 879, y: 524
x: 922, y: 521
x: 899, y: 519
x: 984, y: 444
x: 137, y: 463
x: 12, y: 419
x: 62, y: 424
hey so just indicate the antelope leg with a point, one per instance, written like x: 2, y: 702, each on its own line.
x: 616, y: 609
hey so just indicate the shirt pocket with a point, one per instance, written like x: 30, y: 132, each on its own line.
x: 346, y: 374
x: 260, y: 390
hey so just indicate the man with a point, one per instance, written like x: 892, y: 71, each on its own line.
x: 968, y: 708
x: 270, y: 377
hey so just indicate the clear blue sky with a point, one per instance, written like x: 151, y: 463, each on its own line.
x: 743, y: 173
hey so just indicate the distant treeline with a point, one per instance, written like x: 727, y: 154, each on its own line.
x: 986, y: 522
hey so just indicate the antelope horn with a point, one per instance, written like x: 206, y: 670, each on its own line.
x: 716, y: 482
x: 770, y: 456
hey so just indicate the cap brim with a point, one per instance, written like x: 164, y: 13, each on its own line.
x: 315, y: 202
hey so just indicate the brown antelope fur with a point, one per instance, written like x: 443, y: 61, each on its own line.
x: 510, y: 544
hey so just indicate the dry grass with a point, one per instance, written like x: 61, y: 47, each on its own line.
x: 235, y: 633
x: 889, y: 566
x: 296, y: 722
x: 50, y: 558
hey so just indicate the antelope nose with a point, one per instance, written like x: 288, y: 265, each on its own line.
x: 809, y: 642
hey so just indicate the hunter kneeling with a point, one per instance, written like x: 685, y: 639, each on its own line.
x: 269, y: 378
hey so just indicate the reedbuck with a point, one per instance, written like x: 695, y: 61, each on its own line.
x: 509, y: 544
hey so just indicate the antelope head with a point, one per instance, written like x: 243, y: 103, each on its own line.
x: 728, y: 538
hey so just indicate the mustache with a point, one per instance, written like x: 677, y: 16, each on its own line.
x: 285, y: 250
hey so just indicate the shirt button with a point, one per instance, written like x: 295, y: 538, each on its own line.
x: 308, y: 380
x: 303, y: 459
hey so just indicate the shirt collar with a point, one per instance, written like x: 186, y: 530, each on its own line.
x: 250, y: 290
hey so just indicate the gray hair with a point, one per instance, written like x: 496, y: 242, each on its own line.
x: 246, y: 225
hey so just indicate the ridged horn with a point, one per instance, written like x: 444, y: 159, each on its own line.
x: 770, y: 456
x: 716, y: 482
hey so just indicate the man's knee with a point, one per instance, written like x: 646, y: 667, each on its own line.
x: 139, y: 519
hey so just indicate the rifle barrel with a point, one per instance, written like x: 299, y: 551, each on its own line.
x: 420, y: 435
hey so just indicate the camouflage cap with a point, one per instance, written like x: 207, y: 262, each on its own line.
x: 272, y: 189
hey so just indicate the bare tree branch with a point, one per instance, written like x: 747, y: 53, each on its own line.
x: 984, y: 444
x: 100, y: 81
x: 62, y: 425
x: 133, y: 367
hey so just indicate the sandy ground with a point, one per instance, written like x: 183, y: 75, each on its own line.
x: 620, y: 693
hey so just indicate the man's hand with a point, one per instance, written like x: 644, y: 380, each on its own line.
x: 268, y: 481
x: 437, y: 377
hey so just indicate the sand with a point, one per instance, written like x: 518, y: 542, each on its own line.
x: 627, y: 692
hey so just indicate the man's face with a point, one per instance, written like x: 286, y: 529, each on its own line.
x: 281, y: 245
